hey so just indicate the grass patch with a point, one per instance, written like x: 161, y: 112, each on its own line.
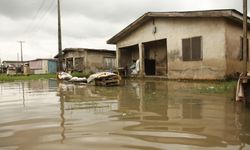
x: 5, y: 78
x: 218, y: 87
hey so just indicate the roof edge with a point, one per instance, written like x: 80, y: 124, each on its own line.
x: 228, y: 13
x: 87, y: 49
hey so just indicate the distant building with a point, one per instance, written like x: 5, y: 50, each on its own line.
x: 13, y: 63
x: 43, y: 66
x: 85, y: 59
x: 1, y: 68
x: 183, y: 45
x: 17, y: 65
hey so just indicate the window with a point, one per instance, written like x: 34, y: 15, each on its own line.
x: 191, y: 49
x: 109, y: 62
x: 69, y: 63
x: 241, y: 49
x: 79, y: 64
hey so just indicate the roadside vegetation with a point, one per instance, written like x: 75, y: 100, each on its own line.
x: 18, y: 77
x: 217, y: 87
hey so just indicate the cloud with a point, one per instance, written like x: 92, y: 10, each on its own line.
x: 85, y: 23
x: 19, y: 9
x: 85, y: 27
x: 115, y: 10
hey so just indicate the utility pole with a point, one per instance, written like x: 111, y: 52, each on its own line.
x: 245, y: 38
x: 21, y: 44
x: 60, y: 66
x: 245, y: 79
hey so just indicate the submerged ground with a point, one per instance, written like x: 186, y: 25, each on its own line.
x: 150, y: 115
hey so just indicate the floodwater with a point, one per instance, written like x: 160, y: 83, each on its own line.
x: 139, y: 115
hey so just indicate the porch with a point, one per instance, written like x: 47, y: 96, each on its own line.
x: 151, y: 58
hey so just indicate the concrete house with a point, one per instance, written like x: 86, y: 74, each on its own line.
x: 85, y: 59
x: 183, y: 45
x: 43, y: 66
x: 17, y: 65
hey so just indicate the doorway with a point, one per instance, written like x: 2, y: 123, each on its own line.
x: 156, y: 57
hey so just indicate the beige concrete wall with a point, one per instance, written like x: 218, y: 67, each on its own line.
x: 212, y: 30
x: 233, y: 33
x: 95, y: 60
x: 74, y: 54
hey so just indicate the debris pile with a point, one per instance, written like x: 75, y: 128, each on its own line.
x: 64, y: 76
x: 98, y: 79
x: 104, y: 79
x: 77, y: 79
x: 11, y: 70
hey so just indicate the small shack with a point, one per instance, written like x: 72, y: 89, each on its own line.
x: 17, y: 65
x: 88, y: 60
x: 43, y: 66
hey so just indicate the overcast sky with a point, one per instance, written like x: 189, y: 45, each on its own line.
x: 85, y: 23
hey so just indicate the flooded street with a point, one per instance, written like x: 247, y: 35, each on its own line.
x: 140, y: 115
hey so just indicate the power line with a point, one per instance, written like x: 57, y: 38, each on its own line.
x: 39, y: 17
x: 39, y: 10
x: 42, y: 16
x: 49, y: 10
x: 35, y: 16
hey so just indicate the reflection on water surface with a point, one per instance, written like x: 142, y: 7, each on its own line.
x: 138, y: 115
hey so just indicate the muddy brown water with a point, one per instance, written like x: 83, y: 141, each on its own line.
x: 139, y: 115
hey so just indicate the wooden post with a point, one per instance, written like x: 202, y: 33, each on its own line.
x: 245, y: 38
x: 245, y: 80
x: 85, y: 60
x: 141, y: 58
x: 118, y: 57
